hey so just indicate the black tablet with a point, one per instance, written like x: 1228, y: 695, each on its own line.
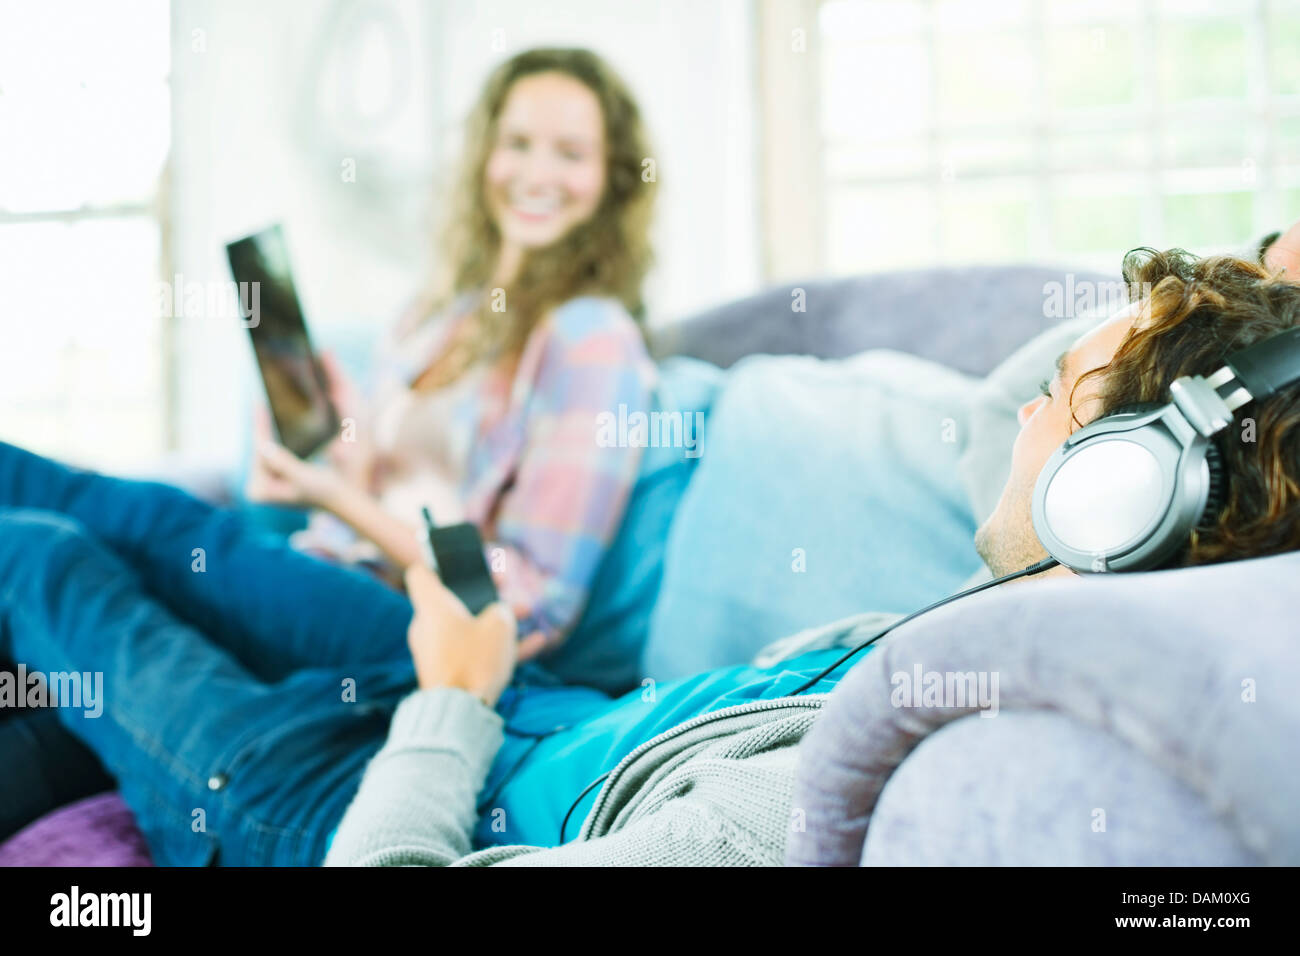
x: 296, y: 387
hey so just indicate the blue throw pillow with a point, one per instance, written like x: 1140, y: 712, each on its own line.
x: 604, y: 649
x: 826, y: 488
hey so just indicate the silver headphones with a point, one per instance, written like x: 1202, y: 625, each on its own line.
x: 1124, y: 493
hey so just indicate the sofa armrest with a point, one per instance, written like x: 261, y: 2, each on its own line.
x: 1174, y: 665
x: 1038, y: 788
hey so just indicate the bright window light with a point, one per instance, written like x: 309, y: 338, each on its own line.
x: 965, y: 131
x: 84, y: 138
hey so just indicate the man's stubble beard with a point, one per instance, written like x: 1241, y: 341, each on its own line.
x: 1006, y: 541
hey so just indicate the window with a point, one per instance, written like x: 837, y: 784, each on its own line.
x: 963, y: 131
x: 84, y: 138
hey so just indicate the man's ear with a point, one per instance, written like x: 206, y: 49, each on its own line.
x: 1284, y: 253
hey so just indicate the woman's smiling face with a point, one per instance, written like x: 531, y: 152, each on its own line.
x: 545, y: 174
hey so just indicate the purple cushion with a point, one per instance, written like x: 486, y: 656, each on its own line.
x: 97, y: 831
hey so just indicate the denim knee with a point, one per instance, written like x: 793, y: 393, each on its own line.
x: 30, y: 538
x: 37, y: 524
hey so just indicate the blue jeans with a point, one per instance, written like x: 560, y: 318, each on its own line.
x: 245, y: 685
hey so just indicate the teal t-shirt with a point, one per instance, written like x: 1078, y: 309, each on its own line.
x: 537, y: 776
x: 560, y: 739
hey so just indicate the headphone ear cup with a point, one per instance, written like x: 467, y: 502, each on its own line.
x: 1217, y: 494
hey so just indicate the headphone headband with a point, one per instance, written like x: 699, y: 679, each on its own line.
x: 1268, y: 367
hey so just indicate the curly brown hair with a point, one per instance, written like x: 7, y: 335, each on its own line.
x: 1195, y: 312
x: 609, y: 254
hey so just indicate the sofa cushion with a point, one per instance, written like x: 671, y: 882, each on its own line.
x: 825, y: 488
x: 1192, y: 669
x: 97, y: 831
x: 604, y: 648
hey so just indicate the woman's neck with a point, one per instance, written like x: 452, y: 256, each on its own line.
x: 509, y: 261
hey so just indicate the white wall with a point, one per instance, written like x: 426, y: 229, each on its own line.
x: 271, y: 100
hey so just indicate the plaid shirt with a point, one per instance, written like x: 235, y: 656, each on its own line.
x: 546, y: 496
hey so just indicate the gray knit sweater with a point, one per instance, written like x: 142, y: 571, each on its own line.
x: 712, y: 791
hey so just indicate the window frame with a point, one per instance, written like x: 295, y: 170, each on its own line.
x: 797, y: 186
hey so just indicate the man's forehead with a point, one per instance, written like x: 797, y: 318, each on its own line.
x: 1096, y: 347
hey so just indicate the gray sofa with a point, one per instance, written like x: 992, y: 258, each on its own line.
x: 969, y: 319
x: 1122, y: 735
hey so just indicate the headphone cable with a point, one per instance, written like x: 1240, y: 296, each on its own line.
x: 586, y: 790
x: 1045, y: 565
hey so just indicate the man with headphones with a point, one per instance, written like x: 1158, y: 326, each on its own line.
x: 1101, y: 484
x: 1130, y: 459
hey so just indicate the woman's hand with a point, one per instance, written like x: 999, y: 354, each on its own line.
x: 343, y: 394
x: 453, y: 648
x: 351, y: 453
x: 280, y: 477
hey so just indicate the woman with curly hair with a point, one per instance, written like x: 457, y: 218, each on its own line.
x: 487, y: 389
x: 484, y: 409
